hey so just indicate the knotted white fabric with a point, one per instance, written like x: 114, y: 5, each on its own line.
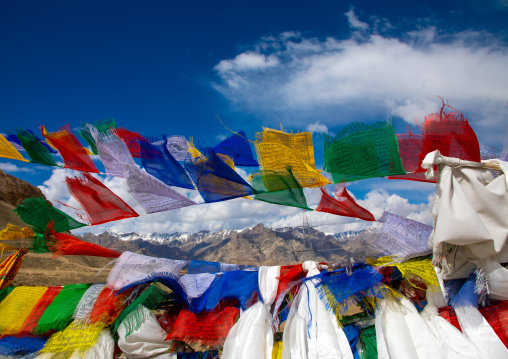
x: 403, y: 333
x: 312, y: 331
x: 252, y: 336
x: 470, y: 214
x: 452, y: 342
x: 148, y: 340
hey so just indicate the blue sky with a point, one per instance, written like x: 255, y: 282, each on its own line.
x: 165, y: 67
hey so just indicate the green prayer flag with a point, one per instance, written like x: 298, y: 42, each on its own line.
x: 59, y: 313
x: 151, y: 298
x: 101, y: 126
x: 37, y: 152
x: 279, y: 188
x: 369, y: 343
x: 362, y: 151
x: 38, y: 213
x: 39, y: 244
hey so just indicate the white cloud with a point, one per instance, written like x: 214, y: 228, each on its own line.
x: 317, y: 127
x: 10, y: 167
x: 354, y: 22
x: 372, y: 77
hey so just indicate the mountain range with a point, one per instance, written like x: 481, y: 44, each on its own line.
x: 256, y: 246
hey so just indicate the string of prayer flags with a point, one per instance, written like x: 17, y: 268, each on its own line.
x: 100, y: 204
x: 64, y: 244
x: 343, y: 204
x: 35, y: 149
x: 158, y: 161
x: 59, y: 313
x: 131, y: 139
x: 238, y: 148
x: 276, y: 150
x: 16, y: 307
x: 36, y: 313
x: 208, y: 329
x: 451, y: 134
x: 152, y: 194
x: 38, y: 213
x: 73, y: 153
x: 410, y: 149
x: 112, y: 150
x: 7, y: 150
x: 39, y: 244
x: 75, y: 339
x: 402, y: 237
x: 216, y: 180
x: 44, y: 143
x: 362, y: 151
x: 178, y: 147
x: 101, y: 126
x: 279, y: 188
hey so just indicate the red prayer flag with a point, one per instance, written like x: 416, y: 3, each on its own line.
x: 451, y: 134
x: 73, y: 153
x: 100, y: 204
x: 67, y: 245
x: 205, y: 328
x: 131, y: 139
x: 37, y: 311
x: 346, y: 206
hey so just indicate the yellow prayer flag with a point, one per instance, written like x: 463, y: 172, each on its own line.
x: 275, y: 156
x: 46, y: 134
x: 12, y: 231
x: 76, y: 339
x: 299, y: 142
x: 8, y: 151
x: 16, y: 307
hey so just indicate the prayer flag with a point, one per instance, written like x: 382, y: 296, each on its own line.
x: 66, y: 245
x: 38, y: 213
x: 238, y: 148
x: 112, y: 150
x: 279, y: 188
x: 362, y: 151
x: 101, y: 126
x: 178, y: 147
x: 7, y: 150
x: 74, y: 154
x: 158, y: 161
x: 59, y: 313
x: 277, y: 150
x: 16, y: 307
x: 37, y: 152
x: 152, y: 194
x: 216, y: 180
x: 131, y: 139
x: 343, y: 204
x: 100, y: 204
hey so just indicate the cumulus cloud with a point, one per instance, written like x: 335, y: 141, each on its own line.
x: 373, y: 76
